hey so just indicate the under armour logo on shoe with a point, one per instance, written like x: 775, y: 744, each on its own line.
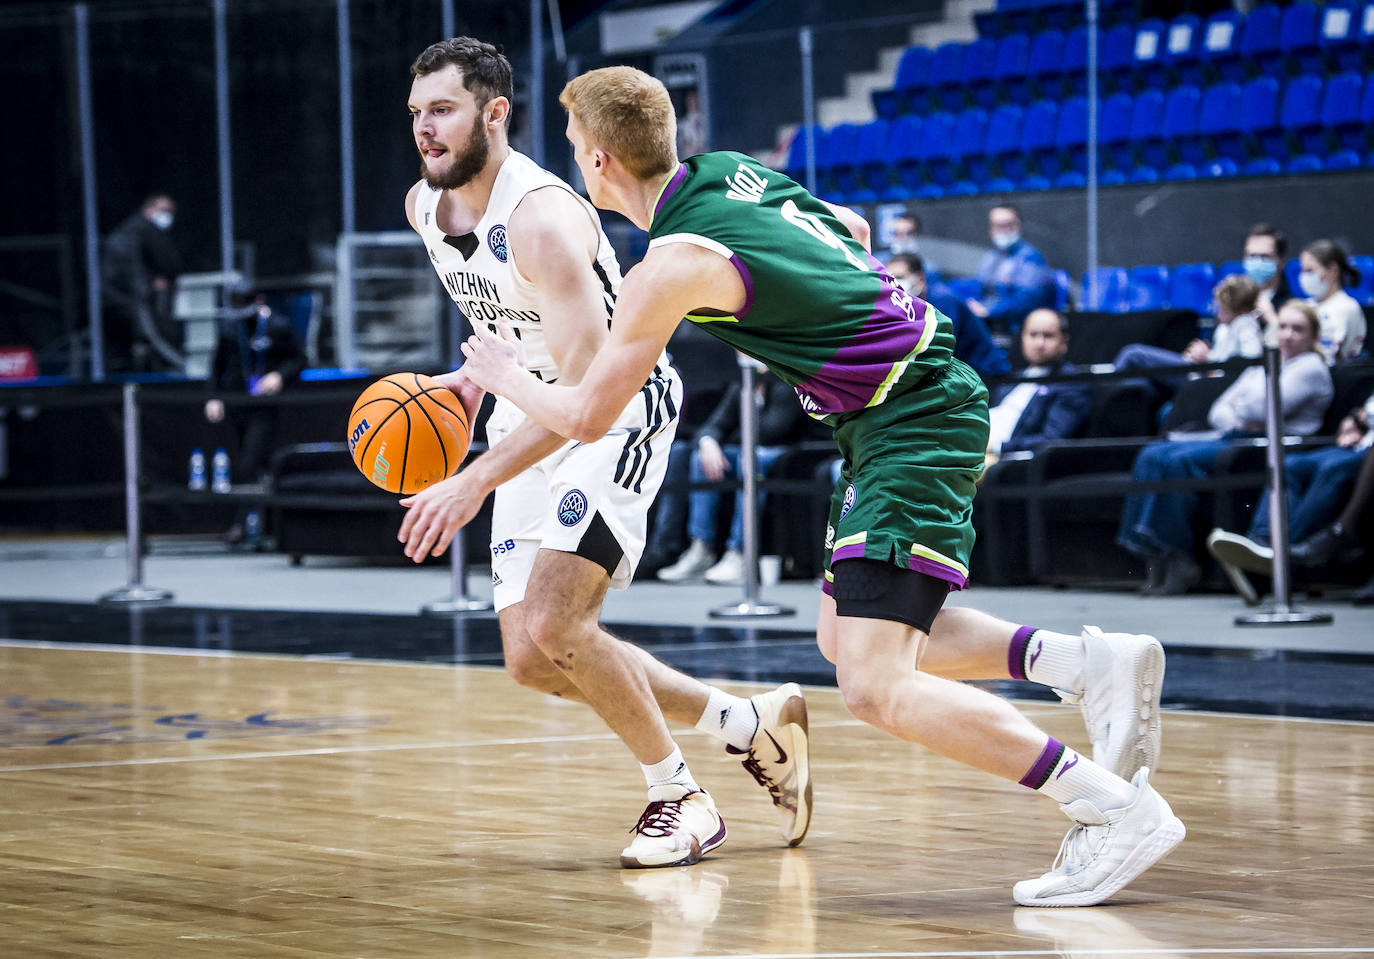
x: 1039, y: 648
x: 1067, y: 766
x: 724, y: 715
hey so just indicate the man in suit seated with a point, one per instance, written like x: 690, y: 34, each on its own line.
x: 1029, y: 413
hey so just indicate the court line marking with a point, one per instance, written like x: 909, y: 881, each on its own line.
x: 1052, y: 953
x: 352, y: 660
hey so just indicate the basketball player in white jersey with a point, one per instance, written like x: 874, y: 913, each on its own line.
x: 514, y: 243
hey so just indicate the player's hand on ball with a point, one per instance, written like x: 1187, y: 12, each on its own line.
x: 435, y: 514
x: 492, y: 358
x: 468, y: 392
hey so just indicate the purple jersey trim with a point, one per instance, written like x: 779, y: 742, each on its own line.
x: 956, y: 579
x: 747, y: 278
x: 851, y: 378
x: 851, y: 551
x: 673, y: 185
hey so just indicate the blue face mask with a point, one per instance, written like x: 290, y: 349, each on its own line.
x: 1260, y: 269
x: 1005, y: 241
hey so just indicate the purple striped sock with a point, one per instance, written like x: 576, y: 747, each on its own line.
x: 1049, y: 758
x: 1016, y: 652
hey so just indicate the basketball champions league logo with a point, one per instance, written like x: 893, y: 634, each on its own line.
x: 496, y: 239
x: 848, y: 502
x: 572, y: 507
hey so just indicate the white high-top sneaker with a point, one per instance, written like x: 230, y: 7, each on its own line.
x: 1122, y: 679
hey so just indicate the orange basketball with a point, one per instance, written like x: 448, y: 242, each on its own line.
x: 407, y: 432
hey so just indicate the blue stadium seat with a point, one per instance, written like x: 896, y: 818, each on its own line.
x: 1180, y: 171
x: 1339, y: 124
x: 1364, y: 291
x: 1071, y: 140
x: 1299, y: 112
x: 796, y: 153
x: 1366, y: 99
x: 970, y: 140
x: 908, y: 87
x: 1342, y: 160
x: 1220, y: 45
x: 1298, y: 40
x: 1147, y: 53
x: 1073, y: 74
x: 870, y: 158
x: 980, y: 58
x: 837, y: 172
x: 1178, y: 125
x: 906, y: 149
x: 1010, y: 71
x: 1004, y: 138
x: 1259, y: 41
x: 1037, y: 140
x: 1261, y: 166
x: 935, y: 170
x: 1218, y: 122
x: 1291, y: 270
x: 1147, y: 287
x: 1190, y: 287
x: 1304, y: 163
x: 1338, y: 34
x: 947, y: 76
x: 1182, y: 49
x: 1045, y: 66
x: 1218, y: 168
x: 1116, y: 58
x: 1259, y: 114
x: 1229, y: 268
x: 1147, y: 125
x: 1112, y: 282
x: 1114, y: 135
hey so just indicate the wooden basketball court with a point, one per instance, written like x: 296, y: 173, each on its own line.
x: 187, y: 805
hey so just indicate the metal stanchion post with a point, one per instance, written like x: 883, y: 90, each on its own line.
x: 459, y: 600
x: 748, y: 459
x: 133, y: 591
x: 1282, y: 613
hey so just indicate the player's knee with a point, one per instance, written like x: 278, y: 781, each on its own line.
x: 865, y: 700
x: 529, y: 667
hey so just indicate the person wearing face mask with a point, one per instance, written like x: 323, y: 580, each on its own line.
x: 138, y: 270
x: 1159, y: 526
x: 972, y: 342
x: 1014, y: 275
x: 1326, y: 271
x: 1266, y: 250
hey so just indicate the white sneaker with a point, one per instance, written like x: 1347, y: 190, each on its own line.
x: 677, y: 828
x: 691, y: 564
x: 729, y: 571
x: 1122, y: 679
x: 779, y: 757
x: 1103, y: 851
x: 1236, y: 554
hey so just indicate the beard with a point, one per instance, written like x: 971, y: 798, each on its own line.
x: 466, y: 165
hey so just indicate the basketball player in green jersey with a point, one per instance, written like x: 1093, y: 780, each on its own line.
x: 756, y: 260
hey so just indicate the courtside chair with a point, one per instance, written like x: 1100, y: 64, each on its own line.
x: 1365, y: 291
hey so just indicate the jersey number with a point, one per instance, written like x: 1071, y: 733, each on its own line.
x: 812, y: 224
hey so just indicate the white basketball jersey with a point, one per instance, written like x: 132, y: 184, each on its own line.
x: 479, y: 270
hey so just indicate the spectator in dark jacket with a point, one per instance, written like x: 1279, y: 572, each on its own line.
x: 972, y: 342
x: 138, y: 271
x: 1028, y: 413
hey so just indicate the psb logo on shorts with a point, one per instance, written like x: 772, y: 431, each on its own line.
x: 496, y: 239
x: 572, y: 507
x: 848, y: 502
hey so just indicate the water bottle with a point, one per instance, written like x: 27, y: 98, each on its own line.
x: 220, y: 481
x: 197, y: 480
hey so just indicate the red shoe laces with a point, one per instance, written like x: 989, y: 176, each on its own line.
x: 660, y: 817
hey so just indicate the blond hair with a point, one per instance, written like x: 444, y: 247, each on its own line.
x: 1237, y: 294
x: 628, y: 114
x: 1314, y: 320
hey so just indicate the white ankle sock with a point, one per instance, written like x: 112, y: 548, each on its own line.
x: 1075, y: 776
x: 1055, y: 659
x: 671, y: 769
x: 731, y: 719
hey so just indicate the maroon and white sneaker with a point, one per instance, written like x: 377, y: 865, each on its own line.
x: 677, y: 828
x: 779, y: 758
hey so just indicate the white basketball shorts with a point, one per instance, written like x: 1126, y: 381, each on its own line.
x: 591, y: 499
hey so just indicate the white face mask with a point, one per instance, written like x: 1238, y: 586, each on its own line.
x: 162, y: 219
x: 1312, y: 285
x: 1005, y: 241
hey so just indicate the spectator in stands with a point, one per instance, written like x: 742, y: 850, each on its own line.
x: 1237, y: 334
x: 1158, y: 526
x: 257, y: 352
x: 906, y: 234
x: 1326, y: 271
x: 1266, y: 251
x: 1028, y: 413
x: 717, y: 453
x: 138, y: 271
x: 972, y: 342
x: 1014, y: 275
x: 1330, y: 491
